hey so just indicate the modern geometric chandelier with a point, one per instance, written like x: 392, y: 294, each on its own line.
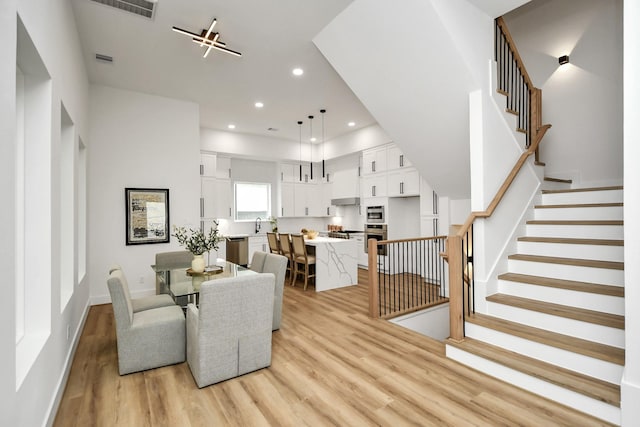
x: 208, y: 38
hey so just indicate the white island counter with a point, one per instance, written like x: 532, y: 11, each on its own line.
x: 336, y: 262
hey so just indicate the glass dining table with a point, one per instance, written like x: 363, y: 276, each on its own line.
x: 183, y: 285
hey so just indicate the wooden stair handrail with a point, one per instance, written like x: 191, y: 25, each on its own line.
x: 505, y: 185
x: 514, y: 50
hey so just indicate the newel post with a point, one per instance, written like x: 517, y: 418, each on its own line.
x: 456, y: 282
x: 374, y: 306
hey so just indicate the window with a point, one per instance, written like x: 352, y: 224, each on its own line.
x: 252, y: 200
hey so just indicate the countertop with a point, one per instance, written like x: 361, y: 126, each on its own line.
x: 321, y: 240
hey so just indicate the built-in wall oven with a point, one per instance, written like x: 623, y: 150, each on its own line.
x: 378, y: 232
x: 375, y: 214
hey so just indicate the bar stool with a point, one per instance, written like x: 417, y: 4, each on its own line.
x: 287, y: 250
x: 274, y: 244
x: 300, y: 256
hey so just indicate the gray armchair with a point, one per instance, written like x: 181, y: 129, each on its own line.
x: 230, y: 334
x: 146, y: 339
x: 142, y: 303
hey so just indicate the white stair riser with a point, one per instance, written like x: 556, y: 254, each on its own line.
x: 552, y: 185
x: 593, y: 213
x: 615, y: 232
x: 588, y: 301
x: 551, y: 391
x: 582, y: 197
x: 575, y: 328
x: 577, y: 251
x: 586, y: 365
x: 603, y: 276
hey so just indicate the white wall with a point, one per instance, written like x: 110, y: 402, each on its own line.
x: 583, y: 99
x: 52, y: 29
x: 630, y: 386
x: 140, y: 141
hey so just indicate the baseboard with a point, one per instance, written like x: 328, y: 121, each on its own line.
x: 52, y: 411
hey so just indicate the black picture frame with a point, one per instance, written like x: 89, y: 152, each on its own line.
x: 147, y: 215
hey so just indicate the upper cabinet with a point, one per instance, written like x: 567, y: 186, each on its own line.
x: 208, y: 164
x: 288, y: 172
x: 403, y: 183
x: 223, y: 167
x: 374, y: 160
x: 396, y: 159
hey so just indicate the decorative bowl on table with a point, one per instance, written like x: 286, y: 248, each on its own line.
x: 311, y: 234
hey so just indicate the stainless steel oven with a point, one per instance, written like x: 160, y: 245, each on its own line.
x: 378, y: 232
x: 375, y: 214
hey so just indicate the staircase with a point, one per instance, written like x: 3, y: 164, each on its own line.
x: 556, y: 325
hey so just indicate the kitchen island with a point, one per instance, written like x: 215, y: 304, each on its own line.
x: 336, y: 262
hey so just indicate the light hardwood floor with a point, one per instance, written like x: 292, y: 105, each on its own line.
x: 331, y: 365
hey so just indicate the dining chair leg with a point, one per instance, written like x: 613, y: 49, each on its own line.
x: 294, y: 275
x: 306, y: 275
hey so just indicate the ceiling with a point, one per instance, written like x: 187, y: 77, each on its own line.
x: 274, y: 36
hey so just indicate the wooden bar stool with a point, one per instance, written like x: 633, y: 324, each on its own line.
x: 301, y: 257
x: 274, y: 244
x: 287, y: 250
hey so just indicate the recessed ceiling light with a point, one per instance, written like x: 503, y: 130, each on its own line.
x: 259, y: 104
x: 351, y: 124
x: 313, y: 139
x: 298, y: 71
x: 231, y: 126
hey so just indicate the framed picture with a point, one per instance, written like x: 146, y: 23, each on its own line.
x: 147, y: 215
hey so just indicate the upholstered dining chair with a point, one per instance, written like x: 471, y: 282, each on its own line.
x: 287, y: 251
x: 257, y: 261
x: 142, y: 303
x: 174, y: 259
x: 274, y: 244
x: 302, y: 258
x: 276, y: 265
x: 229, y: 334
x: 145, y: 339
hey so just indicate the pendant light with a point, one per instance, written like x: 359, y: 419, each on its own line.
x: 311, y: 147
x: 322, y: 112
x: 300, y: 128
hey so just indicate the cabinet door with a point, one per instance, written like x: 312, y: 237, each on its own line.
x: 374, y: 160
x: 315, y: 204
x: 346, y: 183
x: 396, y: 159
x: 326, y: 208
x: 224, y: 200
x: 287, y: 199
x: 428, y: 199
x: 207, y: 164
x: 223, y: 168
x: 374, y: 186
x: 288, y: 172
x: 207, y: 197
x: 301, y: 208
x: 403, y: 183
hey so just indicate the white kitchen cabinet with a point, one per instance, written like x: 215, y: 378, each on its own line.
x: 208, y: 164
x: 223, y: 167
x: 326, y: 190
x: 374, y: 185
x: 257, y: 244
x: 215, y: 198
x: 287, y: 199
x: 429, y: 226
x: 396, y: 159
x: 223, y: 199
x: 403, y: 183
x: 374, y: 160
x: 288, y: 172
x: 307, y: 200
x: 363, y: 259
x: 428, y: 199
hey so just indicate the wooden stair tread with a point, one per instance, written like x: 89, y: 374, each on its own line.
x: 594, y: 288
x: 574, y: 222
x: 612, y: 265
x: 572, y: 241
x: 574, y: 381
x: 564, y: 181
x: 539, y: 163
x: 577, y: 190
x: 521, y: 130
x: 568, y: 312
x: 511, y: 111
x: 566, y: 342
x: 578, y: 205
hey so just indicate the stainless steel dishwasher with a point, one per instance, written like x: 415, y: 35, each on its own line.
x: 238, y: 250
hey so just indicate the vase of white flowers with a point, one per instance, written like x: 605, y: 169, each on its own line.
x: 197, y: 242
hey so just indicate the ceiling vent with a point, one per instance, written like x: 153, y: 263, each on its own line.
x: 104, y: 58
x: 138, y: 7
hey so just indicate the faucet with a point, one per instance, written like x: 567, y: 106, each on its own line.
x: 258, y: 224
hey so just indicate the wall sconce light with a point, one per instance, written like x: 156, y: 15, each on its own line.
x: 564, y: 59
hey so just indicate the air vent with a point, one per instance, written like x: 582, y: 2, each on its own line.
x: 139, y: 7
x: 104, y: 58
x: 272, y: 129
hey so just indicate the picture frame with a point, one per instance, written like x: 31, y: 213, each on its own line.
x: 147, y: 215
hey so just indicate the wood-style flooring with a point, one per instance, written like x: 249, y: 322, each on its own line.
x: 331, y: 365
